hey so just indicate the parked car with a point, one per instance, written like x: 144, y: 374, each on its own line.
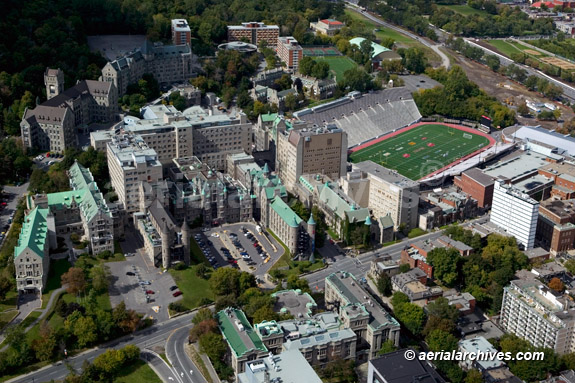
x: 173, y: 288
x: 131, y: 274
x: 145, y: 283
x: 177, y: 293
x: 150, y: 292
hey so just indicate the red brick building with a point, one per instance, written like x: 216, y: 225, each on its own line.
x: 477, y: 184
x: 290, y: 52
x: 254, y: 33
x: 181, y: 33
x: 563, y: 175
x: 555, y: 226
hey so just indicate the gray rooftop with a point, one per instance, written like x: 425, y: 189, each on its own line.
x: 132, y: 149
x: 395, y: 368
x: 288, y: 367
x: 480, y: 344
x: 521, y: 165
x: 298, y: 304
x: 540, y: 134
x: 387, y: 175
x: 479, y: 176
x: 354, y: 294
x: 319, y: 339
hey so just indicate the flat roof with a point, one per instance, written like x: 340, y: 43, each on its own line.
x: 353, y: 293
x: 521, y: 165
x: 395, y: 368
x: 387, y: 175
x: 480, y: 344
x: 479, y: 176
x: 298, y: 304
x: 288, y: 367
x: 540, y: 134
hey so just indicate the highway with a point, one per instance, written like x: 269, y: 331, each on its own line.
x: 435, y: 47
x: 155, y: 335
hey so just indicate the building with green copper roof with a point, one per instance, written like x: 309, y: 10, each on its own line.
x: 31, y: 254
x: 243, y: 341
x: 82, y: 210
x: 379, y: 53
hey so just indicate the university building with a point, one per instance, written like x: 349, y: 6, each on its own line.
x: 254, y: 33
x: 53, y: 125
x: 290, y: 52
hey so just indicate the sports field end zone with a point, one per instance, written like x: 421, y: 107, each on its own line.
x: 423, y: 149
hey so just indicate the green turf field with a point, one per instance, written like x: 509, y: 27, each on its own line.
x: 338, y: 64
x: 421, y: 150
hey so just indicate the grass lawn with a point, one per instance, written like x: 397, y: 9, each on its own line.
x: 138, y: 372
x: 382, y: 32
x: 57, y: 268
x: 6, y: 317
x: 194, y: 289
x: 421, y: 150
x: 416, y: 232
x: 465, y: 10
x: 508, y: 48
x: 338, y: 64
x: 9, y: 302
x: 285, y: 259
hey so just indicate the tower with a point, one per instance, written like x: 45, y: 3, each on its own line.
x: 165, y: 236
x: 54, y: 82
x: 186, y: 238
x: 311, y: 232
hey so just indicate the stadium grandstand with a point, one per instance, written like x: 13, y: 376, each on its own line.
x: 556, y: 143
x: 366, y: 116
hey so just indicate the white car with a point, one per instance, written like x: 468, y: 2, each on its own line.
x: 215, y: 235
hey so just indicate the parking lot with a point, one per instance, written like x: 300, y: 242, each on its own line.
x: 129, y: 283
x: 8, y: 203
x: 241, y: 245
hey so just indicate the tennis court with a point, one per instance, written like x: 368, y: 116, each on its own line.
x: 423, y: 149
x: 320, y: 51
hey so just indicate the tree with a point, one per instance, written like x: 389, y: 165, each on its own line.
x: 202, y: 315
x: 444, y: 262
x: 306, y: 66
x: 45, y: 345
x: 320, y: 70
x: 522, y: 109
x: 225, y: 280
x: 556, y: 284
x: 414, y: 60
x: 204, y: 327
x: 438, y: 340
x: 492, y: 62
x: 570, y: 265
x: 100, y: 275
x: 384, y: 285
x: 84, y: 328
x: 411, y: 315
x: 265, y: 313
x: 387, y: 347
x: 290, y: 102
x: 474, y: 376
x: 356, y: 79
x: 442, y: 309
x: 213, y: 345
x: 5, y: 286
x: 399, y: 298
x: 75, y: 279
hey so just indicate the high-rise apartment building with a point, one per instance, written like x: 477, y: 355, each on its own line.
x: 254, y: 33
x: 316, y: 150
x: 181, y: 33
x: 384, y: 191
x: 290, y: 52
x: 130, y: 162
x: 515, y: 212
x: 539, y: 315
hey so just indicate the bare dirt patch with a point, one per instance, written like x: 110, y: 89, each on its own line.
x: 532, y: 52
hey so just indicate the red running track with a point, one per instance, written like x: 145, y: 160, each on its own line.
x: 458, y: 127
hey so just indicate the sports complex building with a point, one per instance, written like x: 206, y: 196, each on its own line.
x: 385, y: 127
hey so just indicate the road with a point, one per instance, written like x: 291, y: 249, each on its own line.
x: 358, y: 266
x: 183, y: 366
x: 160, y: 367
x: 435, y: 47
x: 155, y: 335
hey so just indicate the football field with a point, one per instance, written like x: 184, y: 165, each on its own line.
x: 422, y: 149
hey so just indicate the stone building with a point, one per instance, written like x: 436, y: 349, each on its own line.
x: 53, y: 125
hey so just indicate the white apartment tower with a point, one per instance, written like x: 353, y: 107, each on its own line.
x: 515, y: 212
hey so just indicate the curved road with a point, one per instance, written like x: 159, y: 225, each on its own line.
x: 185, y: 369
x: 435, y: 47
x: 155, y: 335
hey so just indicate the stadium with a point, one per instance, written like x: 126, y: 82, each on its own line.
x: 423, y: 149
